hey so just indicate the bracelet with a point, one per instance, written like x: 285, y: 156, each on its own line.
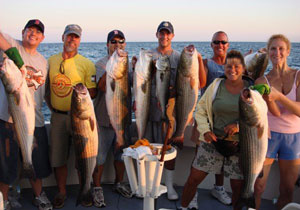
x: 14, y: 55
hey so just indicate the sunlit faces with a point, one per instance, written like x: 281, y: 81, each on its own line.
x: 278, y: 52
x: 71, y: 42
x: 32, y: 36
x: 115, y: 43
x: 220, y: 44
x: 234, y: 69
x: 164, y: 38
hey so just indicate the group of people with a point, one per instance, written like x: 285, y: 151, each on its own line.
x: 216, y: 116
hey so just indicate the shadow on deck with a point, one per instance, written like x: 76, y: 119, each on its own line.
x: 116, y: 202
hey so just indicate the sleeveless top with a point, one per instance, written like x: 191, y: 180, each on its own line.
x: 214, y: 71
x: 287, y: 122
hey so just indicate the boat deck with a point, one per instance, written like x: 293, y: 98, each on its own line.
x: 115, y: 201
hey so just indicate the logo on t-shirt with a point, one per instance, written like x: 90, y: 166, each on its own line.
x: 61, y: 85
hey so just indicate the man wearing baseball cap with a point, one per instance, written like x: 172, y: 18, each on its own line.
x: 66, y: 69
x: 107, y: 135
x: 165, y: 35
x: 25, y: 55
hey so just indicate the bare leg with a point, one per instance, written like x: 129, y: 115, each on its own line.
x: 97, y: 175
x: 190, y: 187
x: 219, y: 179
x: 4, y: 189
x: 61, y: 174
x: 287, y: 181
x: 260, y: 184
x: 236, y: 186
x: 36, y: 186
x: 119, y: 169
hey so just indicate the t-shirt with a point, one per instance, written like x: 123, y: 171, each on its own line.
x: 64, y: 74
x: 38, y: 62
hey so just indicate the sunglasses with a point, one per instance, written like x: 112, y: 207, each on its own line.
x: 121, y: 41
x: 216, y: 42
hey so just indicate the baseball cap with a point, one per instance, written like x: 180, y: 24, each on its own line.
x: 37, y: 23
x: 73, y: 29
x: 166, y: 25
x: 115, y: 33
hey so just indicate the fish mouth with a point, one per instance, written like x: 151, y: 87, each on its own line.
x: 246, y: 96
x: 190, y: 48
x: 80, y: 89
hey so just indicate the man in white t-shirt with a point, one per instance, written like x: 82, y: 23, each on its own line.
x: 25, y: 55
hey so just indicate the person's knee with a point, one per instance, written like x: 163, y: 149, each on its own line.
x: 286, y: 190
x: 259, y: 187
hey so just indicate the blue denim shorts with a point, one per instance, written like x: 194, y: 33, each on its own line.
x: 284, y: 146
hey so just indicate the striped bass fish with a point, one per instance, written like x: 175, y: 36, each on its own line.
x: 142, y: 88
x: 21, y: 108
x: 253, y: 142
x: 117, y: 93
x: 256, y: 64
x: 187, y: 84
x: 163, y: 72
x: 85, y: 139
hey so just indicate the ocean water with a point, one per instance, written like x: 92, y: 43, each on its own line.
x: 96, y: 50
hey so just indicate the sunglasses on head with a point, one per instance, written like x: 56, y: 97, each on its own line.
x: 216, y: 42
x: 121, y: 41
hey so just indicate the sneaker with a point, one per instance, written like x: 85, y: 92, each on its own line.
x: 59, y: 201
x: 98, y: 197
x: 194, y: 203
x: 123, y: 189
x: 42, y: 202
x: 7, y: 205
x: 221, y: 195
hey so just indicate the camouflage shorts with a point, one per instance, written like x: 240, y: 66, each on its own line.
x: 209, y: 160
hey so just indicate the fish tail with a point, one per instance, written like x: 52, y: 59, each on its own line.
x: 28, y: 171
x: 249, y: 202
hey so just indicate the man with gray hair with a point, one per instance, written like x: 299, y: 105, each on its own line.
x: 66, y: 69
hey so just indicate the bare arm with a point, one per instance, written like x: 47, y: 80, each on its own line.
x: 202, y: 72
x: 4, y: 45
x: 292, y: 106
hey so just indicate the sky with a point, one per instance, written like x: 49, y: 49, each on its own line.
x: 193, y: 20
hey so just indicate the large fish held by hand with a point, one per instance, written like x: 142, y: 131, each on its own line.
x: 142, y: 88
x: 187, y: 83
x: 162, y: 76
x: 117, y: 94
x: 253, y: 135
x: 21, y: 108
x: 256, y: 64
x: 85, y: 139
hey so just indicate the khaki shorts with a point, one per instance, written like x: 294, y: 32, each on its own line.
x: 60, y: 138
x: 209, y: 160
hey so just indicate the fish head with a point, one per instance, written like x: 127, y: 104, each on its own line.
x: 144, y: 65
x: 11, y: 76
x: 252, y: 107
x: 187, y: 57
x: 81, y: 100
x: 256, y: 64
x: 163, y: 63
x: 117, y: 65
